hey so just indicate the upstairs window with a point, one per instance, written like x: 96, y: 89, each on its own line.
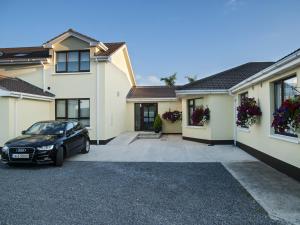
x: 73, y: 61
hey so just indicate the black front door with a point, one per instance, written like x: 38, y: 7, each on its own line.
x: 144, y: 116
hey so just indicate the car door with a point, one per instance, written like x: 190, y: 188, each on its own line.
x: 70, y: 141
x: 79, y: 136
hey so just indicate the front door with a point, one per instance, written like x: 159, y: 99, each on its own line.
x: 145, y: 114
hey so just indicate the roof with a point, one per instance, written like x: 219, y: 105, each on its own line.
x: 228, y: 78
x: 74, y: 32
x: 18, y: 85
x: 24, y: 53
x: 39, y: 52
x: 152, y: 92
x: 112, y: 47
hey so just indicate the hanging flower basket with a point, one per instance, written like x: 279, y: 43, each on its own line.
x: 200, y: 116
x: 248, y: 113
x: 172, y: 116
x: 287, y: 117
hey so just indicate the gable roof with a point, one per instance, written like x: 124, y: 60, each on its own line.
x: 111, y: 48
x: 12, y: 84
x: 292, y: 60
x: 139, y: 92
x: 228, y: 78
x: 71, y: 31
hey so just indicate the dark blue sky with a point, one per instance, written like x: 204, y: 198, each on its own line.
x: 164, y: 36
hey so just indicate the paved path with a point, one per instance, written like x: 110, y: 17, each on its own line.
x: 126, y: 193
x: 170, y: 148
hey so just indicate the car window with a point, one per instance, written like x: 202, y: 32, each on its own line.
x: 46, y: 128
x: 70, y: 126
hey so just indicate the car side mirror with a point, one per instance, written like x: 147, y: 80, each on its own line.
x: 23, y: 132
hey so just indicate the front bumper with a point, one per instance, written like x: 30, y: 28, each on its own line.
x: 35, y: 156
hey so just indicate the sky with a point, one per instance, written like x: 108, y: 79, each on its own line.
x: 190, y: 38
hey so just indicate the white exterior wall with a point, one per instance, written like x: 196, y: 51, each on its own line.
x: 260, y: 136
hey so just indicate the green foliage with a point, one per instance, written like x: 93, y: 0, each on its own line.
x: 170, y: 80
x: 157, y: 123
x: 191, y: 78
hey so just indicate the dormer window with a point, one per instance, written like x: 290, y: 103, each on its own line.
x: 73, y: 61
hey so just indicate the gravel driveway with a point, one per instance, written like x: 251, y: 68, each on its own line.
x: 125, y: 193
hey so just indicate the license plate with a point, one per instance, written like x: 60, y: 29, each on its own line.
x: 20, y: 156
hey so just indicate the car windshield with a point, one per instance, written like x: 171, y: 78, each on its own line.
x: 47, y: 128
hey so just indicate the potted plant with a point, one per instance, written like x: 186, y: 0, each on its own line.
x: 172, y: 116
x: 287, y: 117
x: 200, y: 116
x: 248, y: 112
x: 157, y: 124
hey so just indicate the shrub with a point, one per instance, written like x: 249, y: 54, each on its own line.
x: 248, y: 112
x: 157, y: 125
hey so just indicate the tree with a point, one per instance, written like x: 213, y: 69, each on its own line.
x: 191, y: 78
x: 170, y: 80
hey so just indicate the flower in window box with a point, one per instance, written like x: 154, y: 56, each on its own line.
x: 248, y: 112
x: 200, y: 116
x: 287, y: 118
x: 172, y: 116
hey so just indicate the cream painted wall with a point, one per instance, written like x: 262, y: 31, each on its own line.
x: 117, y: 87
x: 19, y: 114
x: 220, y: 126
x: 162, y: 107
x: 195, y: 131
x: 167, y: 126
x: 258, y: 136
x: 29, y: 73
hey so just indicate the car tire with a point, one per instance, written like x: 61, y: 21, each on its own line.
x: 59, y: 157
x: 86, y: 147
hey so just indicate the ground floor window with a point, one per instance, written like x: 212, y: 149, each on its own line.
x: 285, y: 89
x: 193, y: 104
x: 73, y: 109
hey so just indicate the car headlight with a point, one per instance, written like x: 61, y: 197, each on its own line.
x: 5, y: 149
x: 45, y: 148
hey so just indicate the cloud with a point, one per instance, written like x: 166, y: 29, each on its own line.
x: 148, y: 80
x: 233, y: 4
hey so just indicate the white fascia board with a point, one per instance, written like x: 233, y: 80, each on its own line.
x: 280, y: 66
x: 30, y: 96
x: 67, y: 35
x: 102, y: 46
x: 151, y: 100
x: 4, y: 93
x: 201, y: 92
x: 22, y: 61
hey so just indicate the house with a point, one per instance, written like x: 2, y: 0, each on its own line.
x: 73, y: 76
x: 88, y: 81
x: 270, y: 87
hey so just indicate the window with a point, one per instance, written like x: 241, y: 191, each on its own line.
x: 243, y: 96
x: 73, y: 61
x: 73, y: 109
x: 284, y: 89
x: 192, y: 105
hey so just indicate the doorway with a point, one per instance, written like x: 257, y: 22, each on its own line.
x: 144, y: 115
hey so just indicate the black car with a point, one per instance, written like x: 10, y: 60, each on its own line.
x: 47, y: 142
